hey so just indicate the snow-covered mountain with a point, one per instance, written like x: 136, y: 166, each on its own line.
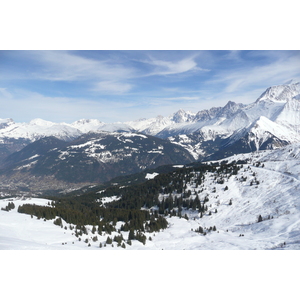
x: 253, y: 204
x: 5, y: 123
x: 275, y: 114
x: 15, y: 136
x: 245, y: 197
x: 271, y: 121
x: 37, y: 129
x: 50, y: 163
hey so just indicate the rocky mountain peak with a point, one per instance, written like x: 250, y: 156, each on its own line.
x: 182, y: 116
x: 6, y: 122
x: 280, y: 93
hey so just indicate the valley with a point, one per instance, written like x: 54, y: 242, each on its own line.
x: 221, y: 212
x: 224, y: 178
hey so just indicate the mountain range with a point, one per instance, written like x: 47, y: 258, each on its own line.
x: 88, y: 151
x: 223, y: 178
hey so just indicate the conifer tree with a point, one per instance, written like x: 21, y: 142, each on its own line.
x: 131, y: 235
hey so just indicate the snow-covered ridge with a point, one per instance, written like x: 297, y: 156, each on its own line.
x: 279, y: 104
x: 39, y: 128
x: 281, y: 93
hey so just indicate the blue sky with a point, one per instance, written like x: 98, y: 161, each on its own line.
x: 64, y: 86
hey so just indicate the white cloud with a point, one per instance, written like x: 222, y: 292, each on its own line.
x: 66, y: 66
x: 112, y: 87
x: 24, y: 106
x: 280, y: 71
x: 172, y: 100
x: 164, y: 67
x: 5, y: 93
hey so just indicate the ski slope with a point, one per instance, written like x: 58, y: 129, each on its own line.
x: 270, y: 189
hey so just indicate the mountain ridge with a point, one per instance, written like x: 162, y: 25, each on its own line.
x: 215, y: 127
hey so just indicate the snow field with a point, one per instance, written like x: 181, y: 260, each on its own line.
x: 270, y: 189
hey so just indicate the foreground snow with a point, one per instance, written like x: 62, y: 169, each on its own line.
x: 271, y: 190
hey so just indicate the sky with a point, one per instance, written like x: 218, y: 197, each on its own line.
x: 112, y: 86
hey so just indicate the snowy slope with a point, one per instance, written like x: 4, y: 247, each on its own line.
x: 150, y: 126
x: 268, y: 185
x: 5, y: 123
x: 289, y: 116
x: 263, y: 129
x: 20, y: 231
x: 93, y: 125
x: 38, y: 128
x: 85, y: 126
x: 281, y: 93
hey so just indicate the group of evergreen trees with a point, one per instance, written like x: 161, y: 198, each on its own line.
x: 92, y: 214
x: 8, y: 207
x: 204, y: 231
x: 142, y: 207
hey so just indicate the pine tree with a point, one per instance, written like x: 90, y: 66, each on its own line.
x: 58, y: 222
x: 131, y: 235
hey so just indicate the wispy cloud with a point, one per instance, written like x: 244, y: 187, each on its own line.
x: 277, y: 72
x: 106, y: 76
x: 126, y: 85
x: 65, y: 66
x: 164, y: 67
x: 4, y: 93
x: 24, y: 105
x: 172, y: 100
x: 112, y: 87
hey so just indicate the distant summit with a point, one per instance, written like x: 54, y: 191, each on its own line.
x: 281, y: 93
x: 276, y: 113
